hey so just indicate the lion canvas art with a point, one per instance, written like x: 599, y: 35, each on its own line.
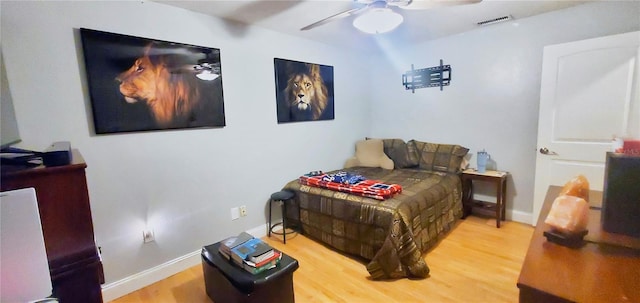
x: 138, y: 84
x: 304, y: 91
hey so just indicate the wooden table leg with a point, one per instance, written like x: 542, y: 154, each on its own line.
x: 504, y: 198
x: 499, y: 203
x: 467, y: 197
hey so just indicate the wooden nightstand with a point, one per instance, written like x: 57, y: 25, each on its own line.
x: 497, y: 210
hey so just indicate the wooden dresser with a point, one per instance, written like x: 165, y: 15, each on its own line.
x: 65, y: 214
x: 605, y: 269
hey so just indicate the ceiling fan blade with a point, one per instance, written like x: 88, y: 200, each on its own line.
x: 427, y: 4
x: 337, y: 16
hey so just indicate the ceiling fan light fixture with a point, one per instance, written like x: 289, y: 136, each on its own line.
x: 378, y: 21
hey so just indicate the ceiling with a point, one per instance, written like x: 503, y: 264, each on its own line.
x: 288, y: 16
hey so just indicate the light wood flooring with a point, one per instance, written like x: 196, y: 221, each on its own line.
x: 476, y: 262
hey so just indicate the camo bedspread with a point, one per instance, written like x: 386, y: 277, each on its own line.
x: 392, y: 234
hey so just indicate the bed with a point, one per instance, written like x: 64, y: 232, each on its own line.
x: 394, y: 233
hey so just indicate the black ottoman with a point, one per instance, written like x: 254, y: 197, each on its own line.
x: 227, y: 283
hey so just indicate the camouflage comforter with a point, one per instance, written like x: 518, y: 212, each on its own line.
x: 391, y: 234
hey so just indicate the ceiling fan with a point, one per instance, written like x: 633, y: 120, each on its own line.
x: 377, y: 16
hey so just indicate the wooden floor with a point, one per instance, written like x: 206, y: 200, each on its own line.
x: 476, y: 262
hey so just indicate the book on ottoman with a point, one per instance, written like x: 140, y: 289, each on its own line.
x: 229, y: 243
x: 254, y: 250
x: 256, y: 268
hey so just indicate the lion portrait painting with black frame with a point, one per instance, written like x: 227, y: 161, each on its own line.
x: 304, y: 91
x: 139, y: 84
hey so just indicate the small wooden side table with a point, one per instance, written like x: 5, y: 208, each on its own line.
x: 497, y: 210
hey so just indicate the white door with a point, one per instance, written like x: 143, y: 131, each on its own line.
x: 589, y: 93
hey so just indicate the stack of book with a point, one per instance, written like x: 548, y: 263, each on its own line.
x: 251, y: 254
x: 229, y: 243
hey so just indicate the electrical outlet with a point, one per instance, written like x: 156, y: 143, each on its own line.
x: 243, y: 210
x: 147, y: 236
x: 235, y: 213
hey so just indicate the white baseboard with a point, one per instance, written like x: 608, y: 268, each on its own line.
x: 520, y: 216
x: 512, y: 215
x: 145, y: 278
x: 142, y: 279
x: 259, y: 231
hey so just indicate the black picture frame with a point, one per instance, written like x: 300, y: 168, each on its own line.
x: 304, y: 91
x: 140, y: 84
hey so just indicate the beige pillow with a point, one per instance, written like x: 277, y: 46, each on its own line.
x: 370, y: 153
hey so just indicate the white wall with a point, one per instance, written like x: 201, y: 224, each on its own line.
x: 182, y: 183
x: 492, y: 102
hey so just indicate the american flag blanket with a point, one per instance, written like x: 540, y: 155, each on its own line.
x: 351, y: 183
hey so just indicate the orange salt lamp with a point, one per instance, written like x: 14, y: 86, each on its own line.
x: 577, y: 187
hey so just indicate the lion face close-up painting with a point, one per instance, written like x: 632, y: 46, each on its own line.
x: 304, y: 91
x: 137, y: 84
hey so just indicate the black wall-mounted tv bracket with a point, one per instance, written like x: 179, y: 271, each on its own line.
x: 427, y: 77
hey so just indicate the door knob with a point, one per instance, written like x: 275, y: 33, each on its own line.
x: 546, y: 151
